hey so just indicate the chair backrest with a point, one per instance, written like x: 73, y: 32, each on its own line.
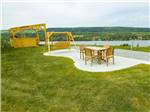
x: 88, y: 52
x: 81, y: 47
x: 109, y: 51
x: 106, y: 46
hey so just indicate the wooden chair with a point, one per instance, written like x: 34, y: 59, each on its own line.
x: 89, y: 55
x: 109, y: 54
x: 100, y: 56
x: 82, y: 50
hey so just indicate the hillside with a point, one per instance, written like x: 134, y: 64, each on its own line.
x: 101, y: 29
x: 93, y: 33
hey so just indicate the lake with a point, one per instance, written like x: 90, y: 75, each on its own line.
x: 134, y: 42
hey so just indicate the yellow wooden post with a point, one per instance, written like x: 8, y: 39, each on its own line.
x: 48, y: 44
x: 46, y: 36
x: 71, y: 37
x: 13, y: 34
x: 51, y: 39
x: 68, y: 37
x: 13, y: 37
x: 37, y: 35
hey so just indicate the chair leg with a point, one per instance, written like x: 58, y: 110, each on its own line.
x: 113, y: 60
x: 107, y: 61
x: 99, y: 60
x: 83, y: 55
x: 99, y: 57
x: 91, y: 61
x: 80, y: 55
x: 85, y: 60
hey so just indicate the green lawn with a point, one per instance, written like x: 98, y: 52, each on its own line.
x: 32, y: 82
x: 143, y: 49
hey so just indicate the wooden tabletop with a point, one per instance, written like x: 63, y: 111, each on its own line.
x: 96, y: 48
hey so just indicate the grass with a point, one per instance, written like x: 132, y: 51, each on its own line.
x: 32, y: 82
x: 143, y: 49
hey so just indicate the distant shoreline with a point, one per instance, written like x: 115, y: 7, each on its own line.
x: 107, y: 28
x: 142, y: 43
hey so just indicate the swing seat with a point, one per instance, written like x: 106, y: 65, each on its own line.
x: 61, y: 45
x: 23, y: 42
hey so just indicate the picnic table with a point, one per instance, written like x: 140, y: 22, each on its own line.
x: 96, y: 50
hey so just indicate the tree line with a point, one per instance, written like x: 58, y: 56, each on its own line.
x: 88, y: 34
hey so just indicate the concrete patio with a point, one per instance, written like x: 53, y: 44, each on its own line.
x: 120, y: 62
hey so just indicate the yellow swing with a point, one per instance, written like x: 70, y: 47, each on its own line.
x: 58, y: 45
x: 24, y: 41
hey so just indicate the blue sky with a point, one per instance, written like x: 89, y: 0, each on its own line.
x: 76, y: 13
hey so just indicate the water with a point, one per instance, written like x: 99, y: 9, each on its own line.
x: 141, y: 43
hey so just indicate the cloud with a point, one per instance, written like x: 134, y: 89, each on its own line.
x: 69, y: 14
x: 62, y: 1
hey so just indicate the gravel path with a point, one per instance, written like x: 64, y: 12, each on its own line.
x: 145, y: 56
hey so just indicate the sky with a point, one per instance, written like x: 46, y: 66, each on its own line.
x: 76, y: 13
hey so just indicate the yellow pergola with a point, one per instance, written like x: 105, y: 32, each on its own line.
x: 58, y: 45
x: 26, y: 41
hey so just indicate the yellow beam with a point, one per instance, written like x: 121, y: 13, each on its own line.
x: 27, y: 27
